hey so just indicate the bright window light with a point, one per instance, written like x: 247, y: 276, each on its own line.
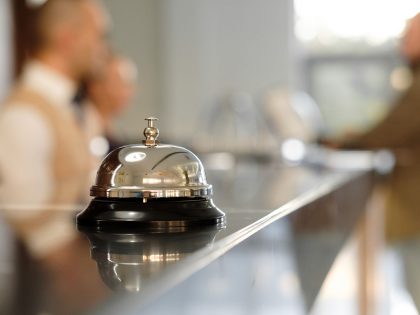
x: 373, y: 21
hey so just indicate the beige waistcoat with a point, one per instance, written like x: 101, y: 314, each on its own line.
x: 70, y: 160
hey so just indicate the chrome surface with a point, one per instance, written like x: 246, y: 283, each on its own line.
x: 151, y: 171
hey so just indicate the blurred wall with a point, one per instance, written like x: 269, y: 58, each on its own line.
x: 192, y: 52
x: 213, y: 47
x: 5, y: 48
x: 135, y: 34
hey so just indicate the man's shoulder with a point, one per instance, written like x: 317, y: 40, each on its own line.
x: 21, y: 115
x: 21, y: 95
x: 24, y: 127
x: 24, y: 103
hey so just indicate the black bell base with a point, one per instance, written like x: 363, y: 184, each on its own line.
x: 156, y: 214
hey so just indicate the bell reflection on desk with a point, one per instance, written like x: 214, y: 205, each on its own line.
x: 127, y: 261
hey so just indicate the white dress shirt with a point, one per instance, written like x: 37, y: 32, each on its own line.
x: 26, y: 139
x: 26, y: 148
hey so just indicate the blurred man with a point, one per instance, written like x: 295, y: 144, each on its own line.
x: 43, y: 155
x: 400, y: 132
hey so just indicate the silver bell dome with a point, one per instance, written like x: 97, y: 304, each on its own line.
x: 151, y: 170
x: 150, y: 187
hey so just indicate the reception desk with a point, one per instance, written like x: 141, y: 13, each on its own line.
x: 285, y: 226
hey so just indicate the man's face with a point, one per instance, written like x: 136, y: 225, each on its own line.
x: 114, y: 91
x: 411, y: 40
x: 90, y: 45
x: 119, y: 85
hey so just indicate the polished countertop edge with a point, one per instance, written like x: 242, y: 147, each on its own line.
x: 203, y: 257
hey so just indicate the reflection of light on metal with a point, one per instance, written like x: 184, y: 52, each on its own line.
x: 135, y: 156
x: 400, y: 78
x: 383, y: 161
x: 99, y: 146
x: 132, y: 288
x: 114, y: 268
x: 152, y: 181
x: 35, y: 3
x: 115, y: 174
x: 293, y: 150
x: 162, y: 257
x: 349, y: 160
x: 128, y: 214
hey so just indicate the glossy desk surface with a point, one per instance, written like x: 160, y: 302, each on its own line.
x: 285, y: 226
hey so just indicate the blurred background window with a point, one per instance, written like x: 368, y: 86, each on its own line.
x: 349, y: 58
